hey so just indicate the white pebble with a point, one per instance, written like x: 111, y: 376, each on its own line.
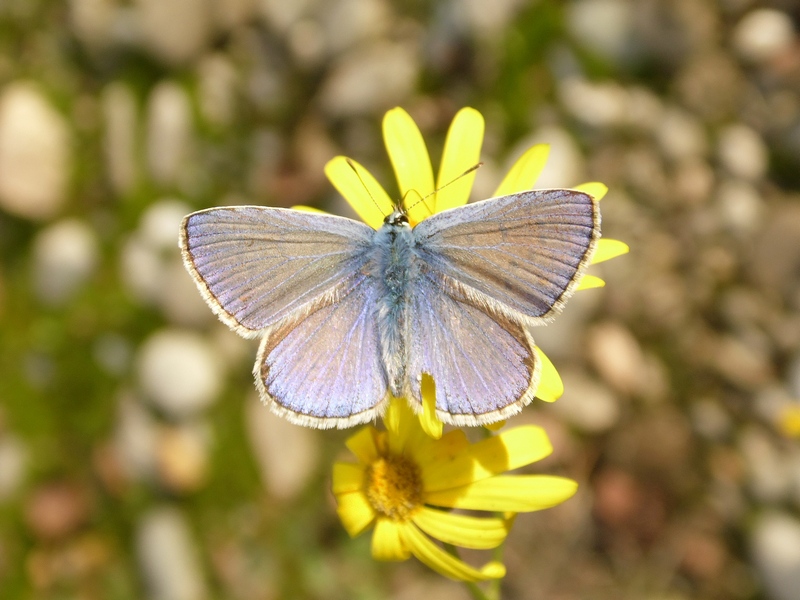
x: 348, y: 22
x: 65, y: 254
x: 217, y: 81
x: 135, y: 438
x: 179, y: 372
x: 565, y: 164
x: 169, y: 131
x: 120, y: 137
x: 92, y: 21
x: 160, y: 223
x: 602, y: 26
x: 370, y: 78
x: 766, y: 467
x: 488, y: 23
x: 680, y: 135
x: 168, y: 556
x: 602, y: 104
x: 763, y: 34
x: 34, y: 153
x: 741, y: 207
x: 175, y: 31
x: 587, y: 404
x: 742, y: 152
x: 13, y: 463
x: 775, y: 545
x: 286, y: 454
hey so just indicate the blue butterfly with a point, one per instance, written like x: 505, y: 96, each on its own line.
x: 350, y: 316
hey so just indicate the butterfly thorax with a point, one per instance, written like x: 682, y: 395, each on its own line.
x: 396, y: 269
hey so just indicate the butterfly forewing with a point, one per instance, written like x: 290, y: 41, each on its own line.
x: 515, y: 254
x: 256, y: 266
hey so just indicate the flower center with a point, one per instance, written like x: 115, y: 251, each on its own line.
x: 394, y: 487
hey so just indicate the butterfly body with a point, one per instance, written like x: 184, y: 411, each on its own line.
x: 394, y: 272
x: 349, y: 315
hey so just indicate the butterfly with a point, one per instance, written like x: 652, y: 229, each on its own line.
x: 350, y: 316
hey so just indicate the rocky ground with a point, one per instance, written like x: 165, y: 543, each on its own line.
x: 135, y: 460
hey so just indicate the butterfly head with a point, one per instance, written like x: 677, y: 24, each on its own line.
x: 396, y: 217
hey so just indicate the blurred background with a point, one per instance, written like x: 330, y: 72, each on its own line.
x: 135, y: 460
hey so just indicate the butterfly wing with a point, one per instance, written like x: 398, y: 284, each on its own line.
x: 326, y: 370
x: 255, y: 265
x: 484, y: 366
x: 488, y: 271
x: 299, y: 280
x: 521, y: 255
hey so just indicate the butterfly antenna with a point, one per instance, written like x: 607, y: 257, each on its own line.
x: 423, y: 198
x: 352, y: 165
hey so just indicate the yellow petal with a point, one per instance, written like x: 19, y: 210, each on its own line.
x: 355, y: 512
x: 361, y: 190
x: 595, y: 189
x: 347, y: 477
x: 427, y: 419
x: 550, y: 385
x: 512, y: 493
x: 789, y: 421
x: 589, y: 282
x: 387, y: 543
x: 510, y: 450
x: 431, y: 453
x: 411, y: 162
x: 311, y: 209
x: 447, y: 564
x: 363, y: 444
x: 525, y: 172
x: 462, y: 150
x: 496, y: 426
x: 462, y: 530
x: 403, y: 426
x: 608, y: 249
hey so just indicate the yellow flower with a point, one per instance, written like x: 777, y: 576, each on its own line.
x: 412, y: 167
x: 789, y: 421
x: 403, y: 475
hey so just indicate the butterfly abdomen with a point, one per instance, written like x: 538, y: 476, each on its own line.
x: 395, y: 267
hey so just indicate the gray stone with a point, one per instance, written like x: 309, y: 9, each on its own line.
x: 34, y: 153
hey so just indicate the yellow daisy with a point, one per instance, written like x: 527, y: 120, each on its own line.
x: 789, y: 421
x: 403, y: 478
x: 412, y: 166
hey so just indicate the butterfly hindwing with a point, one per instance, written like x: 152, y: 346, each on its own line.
x: 326, y: 369
x: 484, y: 365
